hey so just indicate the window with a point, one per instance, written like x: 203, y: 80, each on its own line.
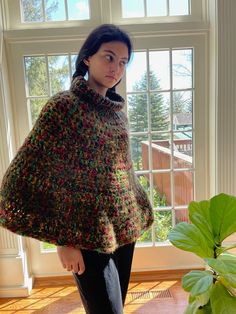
x: 45, y: 76
x: 160, y: 109
x: 166, y: 91
x: 159, y: 98
x: 38, y: 14
x: 142, y: 8
x: 158, y: 11
x: 54, y: 10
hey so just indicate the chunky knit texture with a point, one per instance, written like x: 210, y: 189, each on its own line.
x: 72, y: 182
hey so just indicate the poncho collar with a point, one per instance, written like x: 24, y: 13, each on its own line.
x: 112, y: 100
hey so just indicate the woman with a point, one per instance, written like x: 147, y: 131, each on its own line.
x: 72, y: 182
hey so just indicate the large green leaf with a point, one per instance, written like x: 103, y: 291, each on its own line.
x: 198, y: 282
x: 188, y: 237
x: 223, y: 213
x: 225, y: 266
x: 221, y: 301
x: 195, y: 308
x: 200, y: 216
x: 205, y: 310
x: 192, y: 308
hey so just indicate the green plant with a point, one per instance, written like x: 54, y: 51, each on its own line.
x: 212, y: 290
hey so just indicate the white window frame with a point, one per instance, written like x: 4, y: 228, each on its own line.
x: 63, y: 37
x: 198, y: 10
x: 160, y: 256
x: 12, y: 9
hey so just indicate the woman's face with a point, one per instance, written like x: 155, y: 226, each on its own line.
x: 107, y: 66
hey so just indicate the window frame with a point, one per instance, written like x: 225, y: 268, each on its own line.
x: 55, y: 39
x: 197, y: 10
x: 103, y: 11
x: 13, y: 10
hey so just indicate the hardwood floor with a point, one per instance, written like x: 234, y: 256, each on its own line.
x: 59, y: 295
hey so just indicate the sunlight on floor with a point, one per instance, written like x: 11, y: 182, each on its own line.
x: 141, y: 298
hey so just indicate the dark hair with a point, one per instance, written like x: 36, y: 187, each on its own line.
x: 102, y: 34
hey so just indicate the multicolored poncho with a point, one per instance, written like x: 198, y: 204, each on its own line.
x: 72, y: 182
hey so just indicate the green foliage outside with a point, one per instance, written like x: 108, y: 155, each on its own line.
x: 48, y: 246
x: 163, y: 223
x: 212, y: 291
x: 37, y: 80
x: 32, y: 10
x: 138, y: 114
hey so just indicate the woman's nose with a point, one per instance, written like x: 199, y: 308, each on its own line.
x: 114, y: 67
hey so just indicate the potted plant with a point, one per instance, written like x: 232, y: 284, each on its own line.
x: 212, y: 290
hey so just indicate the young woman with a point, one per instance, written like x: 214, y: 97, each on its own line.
x: 72, y: 182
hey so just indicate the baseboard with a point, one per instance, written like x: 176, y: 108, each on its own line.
x: 159, y: 275
x: 140, y: 276
x: 17, y: 291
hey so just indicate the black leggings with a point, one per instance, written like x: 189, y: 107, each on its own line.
x: 103, y: 285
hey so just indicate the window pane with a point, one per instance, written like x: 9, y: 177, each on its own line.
x: 32, y: 10
x: 136, y: 76
x: 35, y: 106
x: 48, y: 246
x: 156, y: 8
x: 161, y: 151
x: 36, y: 76
x: 55, y: 10
x: 162, y: 185
x: 131, y: 8
x: 182, y: 68
x: 160, y: 111
x: 73, y: 59
x: 183, y: 181
x: 159, y: 70
x: 182, y: 110
x: 181, y: 215
x: 180, y: 7
x: 137, y: 112
x: 59, y: 73
x: 140, y: 152
x: 144, y: 179
x: 183, y: 150
x: 78, y: 9
x: 162, y: 225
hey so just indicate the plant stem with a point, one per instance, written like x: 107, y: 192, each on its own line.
x: 228, y: 248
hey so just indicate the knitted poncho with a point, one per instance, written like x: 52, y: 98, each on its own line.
x: 72, y: 182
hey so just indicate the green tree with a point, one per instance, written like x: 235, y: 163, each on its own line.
x: 37, y: 79
x: 162, y: 219
x: 32, y: 10
x: 138, y: 113
x: 181, y: 104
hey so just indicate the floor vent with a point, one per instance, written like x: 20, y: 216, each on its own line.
x: 150, y: 295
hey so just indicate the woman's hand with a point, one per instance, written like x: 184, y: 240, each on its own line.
x: 71, y: 259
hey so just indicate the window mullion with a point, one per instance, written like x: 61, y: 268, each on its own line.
x: 66, y: 9
x: 44, y: 10
x: 172, y: 141
x: 168, y: 7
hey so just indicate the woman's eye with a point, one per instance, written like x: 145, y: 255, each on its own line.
x: 108, y: 57
x: 123, y: 63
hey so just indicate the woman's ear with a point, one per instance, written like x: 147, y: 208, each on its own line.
x: 86, y: 62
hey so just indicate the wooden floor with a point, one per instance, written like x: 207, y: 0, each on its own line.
x: 59, y: 296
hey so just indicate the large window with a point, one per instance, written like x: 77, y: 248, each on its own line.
x: 159, y: 88
x: 54, y: 10
x: 142, y: 8
x: 26, y: 14
x: 45, y: 76
x: 165, y: 88
x: 160, y: 109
